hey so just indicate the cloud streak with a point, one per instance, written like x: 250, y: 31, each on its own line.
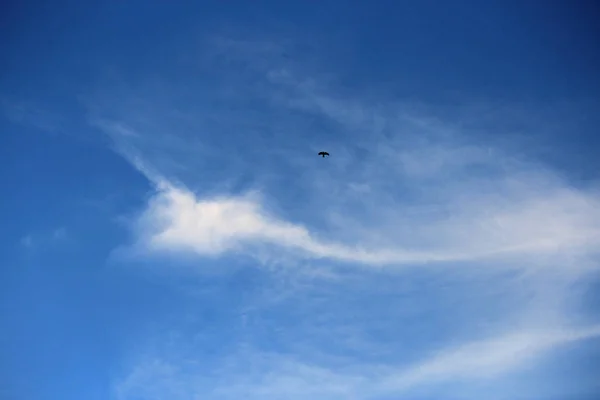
x: 544, y: 223
x: 275, y: 376
x: 401, y: 188
x: 35, y: 240
x: 417, y: 190
x: 488, y: 358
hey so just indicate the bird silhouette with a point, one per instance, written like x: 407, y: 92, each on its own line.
x: 323, y: 154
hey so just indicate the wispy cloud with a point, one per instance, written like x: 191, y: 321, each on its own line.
x: 434, y: 193
x: 547, y: 222
x: 28, y: 113
x: 44, y: 238
x: 256, y: 375
x: 402, y: 187
x: 59, y: 233
x: 489, y: 358
x: 27, y: 241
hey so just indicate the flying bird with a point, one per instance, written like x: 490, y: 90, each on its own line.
x: 323, y: 154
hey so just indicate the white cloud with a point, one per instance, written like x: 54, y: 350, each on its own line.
x: 487, y: 359
x: 399, y: 188
x: 177, y: 220
x: 257, y: 375
x: 544, y: 221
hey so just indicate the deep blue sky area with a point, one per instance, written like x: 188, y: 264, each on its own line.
x: 500, y: 47
x: 167, y: 230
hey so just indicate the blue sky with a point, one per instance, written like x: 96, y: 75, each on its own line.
x: 168, y: 231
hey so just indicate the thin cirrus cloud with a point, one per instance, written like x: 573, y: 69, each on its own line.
x: 272, y: 375
x: 414, y: 190
x: 469, y: 201
x: 488, y: 358
x: 34, y: 240
x: 545, y: 223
